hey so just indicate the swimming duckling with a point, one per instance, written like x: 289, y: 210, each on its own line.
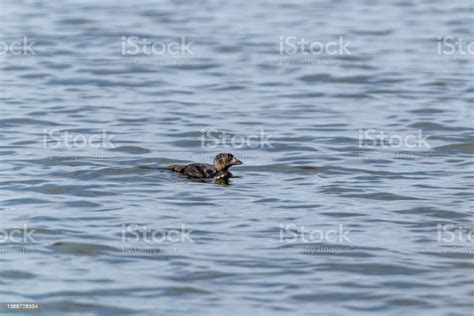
x: 222, y: 177
x: 222, y: 162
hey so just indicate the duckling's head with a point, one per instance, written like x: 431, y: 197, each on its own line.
x: 225, y: 161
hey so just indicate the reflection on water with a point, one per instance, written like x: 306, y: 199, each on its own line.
x: 343, y: 207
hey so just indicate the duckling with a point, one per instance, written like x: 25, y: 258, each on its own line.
x: 222, y: 162
x: 222, y: 177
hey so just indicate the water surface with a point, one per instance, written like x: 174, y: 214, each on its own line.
x: 315, y: 176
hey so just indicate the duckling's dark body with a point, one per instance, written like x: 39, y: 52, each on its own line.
x: 222, y: 162
x: 195, y: 170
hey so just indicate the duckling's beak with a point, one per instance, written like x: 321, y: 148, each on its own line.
x: 235, y: 162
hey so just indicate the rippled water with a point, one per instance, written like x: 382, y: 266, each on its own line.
x: 85, y: 207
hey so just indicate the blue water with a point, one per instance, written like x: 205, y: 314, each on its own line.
x: 270, y: 242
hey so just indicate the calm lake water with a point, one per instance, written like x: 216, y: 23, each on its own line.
x: 354, y: 120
